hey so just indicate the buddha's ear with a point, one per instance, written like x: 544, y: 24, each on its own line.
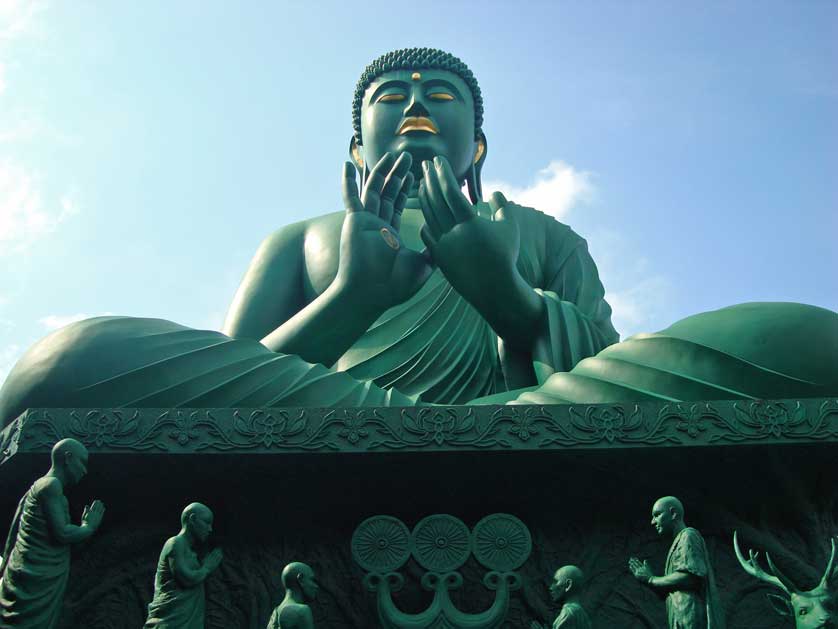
x: 475, y: 187
x: 356, y: 154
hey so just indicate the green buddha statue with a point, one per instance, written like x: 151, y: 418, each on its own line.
x: 418, y: 294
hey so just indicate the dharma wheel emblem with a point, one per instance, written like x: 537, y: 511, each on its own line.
x: 441, y: 544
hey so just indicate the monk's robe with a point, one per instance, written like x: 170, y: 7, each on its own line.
x: 748, y: 351
x: 434, y: 348
x: 438, y: 348
x: 175, y: 606
x: 37, y: 568
x: 686, y: 609
x: 572, y: 616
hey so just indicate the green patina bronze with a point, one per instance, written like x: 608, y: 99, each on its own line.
x: 566, y: 589
x: 301, y: 587
x: 36, y: 564
x: 688, y: 582
x: 440, y: 544
x: 417, y: 294
x: 179, y: 601
x: 810, y: 609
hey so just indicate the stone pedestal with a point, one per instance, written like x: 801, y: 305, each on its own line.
x: 292, y: 484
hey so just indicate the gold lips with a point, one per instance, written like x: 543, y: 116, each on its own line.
x: 417, y: 123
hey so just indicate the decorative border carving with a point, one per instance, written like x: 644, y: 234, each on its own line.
x: 433, y: 428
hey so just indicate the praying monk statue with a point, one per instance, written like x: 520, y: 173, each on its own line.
x: 179, y: 601
x: 566, y: 590
x: 301, y: 587
x: 34, y: 575
x: 688, y: 584
x: 416, y: 293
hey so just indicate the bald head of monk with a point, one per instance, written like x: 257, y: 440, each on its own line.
x: 568, y: 582
x: 668, y: 516
x: 196, y: 521
x: 298, y: 578
x: 69, y: 461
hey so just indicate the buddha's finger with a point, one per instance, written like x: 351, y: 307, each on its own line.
x: 457, y: 202
x: 497, y: 202
x: 430, y: 218
x: 401, y: 200
x: 393, y: 185
x: 351, y: 200
x: 440, y: 209
x: 371, y: 196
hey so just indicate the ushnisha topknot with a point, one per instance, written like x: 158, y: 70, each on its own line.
x: 410, y: 59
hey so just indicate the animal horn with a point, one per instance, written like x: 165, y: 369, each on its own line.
x: 827, y: 575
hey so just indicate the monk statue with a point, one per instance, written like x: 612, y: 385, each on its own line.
x: 692, y: 601
x: 179, y: 601
x: 36, y: 569
x: 417, y: 293
x: 300, y: 589
x: 566, y: 590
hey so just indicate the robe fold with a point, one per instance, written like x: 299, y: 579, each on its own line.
x: 175, y: 606
x: 686, y: 609
x: 433, y: 348
x: 36, y: 568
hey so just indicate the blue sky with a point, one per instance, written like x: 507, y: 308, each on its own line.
x: 147, y: 148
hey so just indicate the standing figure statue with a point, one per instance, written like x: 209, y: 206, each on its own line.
x: 34, y: 574
x: 688, y: 582
x: 300, y: 589
x: 566, y: 590
x: 179, y: 601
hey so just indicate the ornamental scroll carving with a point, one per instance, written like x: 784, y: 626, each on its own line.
x: 441, y: 544
x: 432, y: 428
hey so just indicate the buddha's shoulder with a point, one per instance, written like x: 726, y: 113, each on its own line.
x: 534, y: 220
x: 293, y: 235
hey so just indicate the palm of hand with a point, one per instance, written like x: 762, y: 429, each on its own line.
x: 374, y: 260
x: 375, y: 266
x: 473, y: 253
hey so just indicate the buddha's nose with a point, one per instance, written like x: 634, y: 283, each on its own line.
x: 415, y: 108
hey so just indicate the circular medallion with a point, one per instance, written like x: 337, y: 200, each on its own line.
x: 441, y: 543
x: 381, y: 544
x: 501, y: 542
x: 390, y: 239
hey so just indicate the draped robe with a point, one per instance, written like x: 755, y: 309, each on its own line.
x: 433, y: 348
x: 175, y: 606
x: 36, y: 569
x: 436, y: 348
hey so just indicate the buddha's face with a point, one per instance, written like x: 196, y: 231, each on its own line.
x: 424, y: 112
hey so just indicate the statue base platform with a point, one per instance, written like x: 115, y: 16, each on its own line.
x: 291, y: 484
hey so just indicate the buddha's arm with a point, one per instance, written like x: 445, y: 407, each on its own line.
x: 564, y: 315
x: 53, y: 503
x: 270, y: 306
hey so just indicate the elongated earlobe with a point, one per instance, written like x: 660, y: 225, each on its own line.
x: 475, y: 187
x: 357, y: 158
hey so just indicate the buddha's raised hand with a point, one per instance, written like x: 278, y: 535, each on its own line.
x: 374, y: 263
x: 477, y: 256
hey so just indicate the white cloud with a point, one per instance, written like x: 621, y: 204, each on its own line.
x: 638, y: 295
x: 17, y: 18
x: 54, y: 321
x: 24, y: 216
x: 555, y: 191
